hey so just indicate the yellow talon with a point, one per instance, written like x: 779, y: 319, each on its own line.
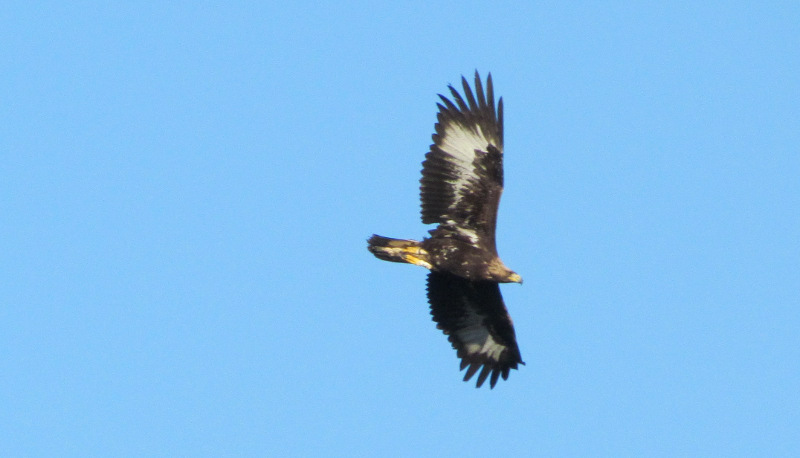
x: 417, y: 261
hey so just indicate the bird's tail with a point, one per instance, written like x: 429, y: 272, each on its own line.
x: 398, y: 250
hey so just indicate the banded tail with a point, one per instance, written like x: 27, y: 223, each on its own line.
x: 398, y: 250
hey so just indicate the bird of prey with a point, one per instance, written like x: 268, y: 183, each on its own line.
x: 460, y: 188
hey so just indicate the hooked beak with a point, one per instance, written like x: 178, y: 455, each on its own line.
x: 515, y: 278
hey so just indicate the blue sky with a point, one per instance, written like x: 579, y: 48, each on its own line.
x: 187, y: 189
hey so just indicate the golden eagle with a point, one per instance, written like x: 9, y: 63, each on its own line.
x: 462, y: 180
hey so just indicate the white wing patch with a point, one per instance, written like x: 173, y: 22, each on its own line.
x: 468, y: 234
x: 477, y: 340
x: 462, y: 143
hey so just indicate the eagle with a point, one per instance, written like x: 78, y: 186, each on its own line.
x: 460, y: 188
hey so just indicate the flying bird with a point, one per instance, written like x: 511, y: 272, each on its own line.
x: 460, y: 188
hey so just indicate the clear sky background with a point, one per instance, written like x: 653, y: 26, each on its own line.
x: 186, y: 189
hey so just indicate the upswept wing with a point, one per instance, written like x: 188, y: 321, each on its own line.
x: 474, y: 317
x: 462, y: 175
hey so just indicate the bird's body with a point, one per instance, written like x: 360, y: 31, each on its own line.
x: 461, y: 185
x: 458, y: 257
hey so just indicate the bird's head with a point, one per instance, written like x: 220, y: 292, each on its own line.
x: 502, y: 274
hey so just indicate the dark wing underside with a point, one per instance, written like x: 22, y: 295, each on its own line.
x: 462, y: 175
x: 474, y: 318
